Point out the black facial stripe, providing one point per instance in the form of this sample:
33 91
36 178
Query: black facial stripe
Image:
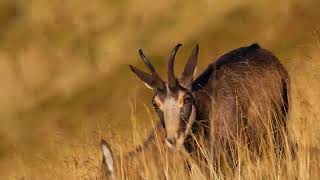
184 117
185 112
160 115
158 111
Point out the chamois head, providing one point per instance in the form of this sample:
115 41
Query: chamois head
173 101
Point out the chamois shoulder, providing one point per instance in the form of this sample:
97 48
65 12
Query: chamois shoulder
253 54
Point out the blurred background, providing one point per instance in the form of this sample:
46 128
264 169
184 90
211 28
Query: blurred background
64 75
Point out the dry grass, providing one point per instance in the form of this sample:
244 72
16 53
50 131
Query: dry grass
64 79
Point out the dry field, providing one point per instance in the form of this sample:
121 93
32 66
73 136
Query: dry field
65 81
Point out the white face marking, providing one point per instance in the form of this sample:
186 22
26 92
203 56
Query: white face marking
171 109
181 138
171 113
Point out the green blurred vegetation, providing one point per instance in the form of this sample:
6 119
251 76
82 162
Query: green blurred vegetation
63 64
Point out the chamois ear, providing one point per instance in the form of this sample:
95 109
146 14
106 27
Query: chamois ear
186 78
107 158
149 80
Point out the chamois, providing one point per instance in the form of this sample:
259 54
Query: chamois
241 97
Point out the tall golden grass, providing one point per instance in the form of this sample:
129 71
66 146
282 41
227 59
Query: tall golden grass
83 158
65 82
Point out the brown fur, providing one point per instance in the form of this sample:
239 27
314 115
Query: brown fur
240 98
244 97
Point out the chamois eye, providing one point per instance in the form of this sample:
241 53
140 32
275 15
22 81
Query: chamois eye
155 105
187 100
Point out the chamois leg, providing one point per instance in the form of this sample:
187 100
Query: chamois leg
225 126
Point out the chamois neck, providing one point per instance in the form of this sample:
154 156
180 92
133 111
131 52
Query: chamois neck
203 104
201 125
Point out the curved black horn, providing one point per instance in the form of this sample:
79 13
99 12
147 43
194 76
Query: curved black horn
146 61
186 78
171 77
155 76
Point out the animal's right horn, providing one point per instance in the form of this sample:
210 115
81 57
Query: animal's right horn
147 62
155 76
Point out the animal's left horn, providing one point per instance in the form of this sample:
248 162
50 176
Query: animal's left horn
171 77
186 78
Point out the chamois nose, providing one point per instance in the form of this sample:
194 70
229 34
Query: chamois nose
171 141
